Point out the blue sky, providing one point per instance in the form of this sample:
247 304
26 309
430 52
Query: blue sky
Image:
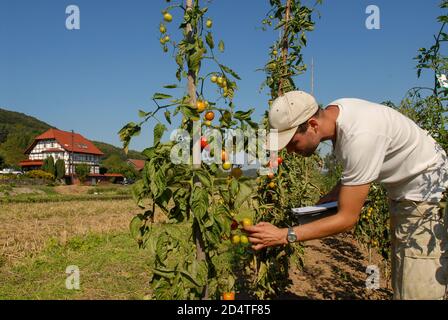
94 80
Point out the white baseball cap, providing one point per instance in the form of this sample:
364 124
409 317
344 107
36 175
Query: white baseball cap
286 114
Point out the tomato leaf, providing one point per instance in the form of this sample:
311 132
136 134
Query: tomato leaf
127 132
168 116
241 115
234 188
209 40
262 272
221 46
161 96
203 177
243 195
135 226
230 71
199 202
163 200
159 129
142 113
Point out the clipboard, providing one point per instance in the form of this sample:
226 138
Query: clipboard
315 210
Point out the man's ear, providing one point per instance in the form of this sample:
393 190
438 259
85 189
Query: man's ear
313 124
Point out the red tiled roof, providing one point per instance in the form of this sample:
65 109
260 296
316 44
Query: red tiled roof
64 138
118 175
138 164
31 163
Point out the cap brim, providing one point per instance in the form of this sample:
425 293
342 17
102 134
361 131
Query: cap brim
279 140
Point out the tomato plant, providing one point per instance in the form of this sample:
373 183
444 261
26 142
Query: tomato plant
372 228
192 255
291 173
427 106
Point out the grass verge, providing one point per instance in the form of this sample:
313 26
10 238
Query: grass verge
103 261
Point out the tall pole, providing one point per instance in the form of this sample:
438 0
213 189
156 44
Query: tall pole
200 252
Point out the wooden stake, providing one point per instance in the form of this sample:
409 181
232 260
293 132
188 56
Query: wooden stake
285 43
200 252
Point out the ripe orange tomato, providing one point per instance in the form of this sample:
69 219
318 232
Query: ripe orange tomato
228 296
224 156
200 106
279 160
271 175
210 116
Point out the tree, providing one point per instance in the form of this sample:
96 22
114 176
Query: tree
114 164
60 169
2 161
48 165
82 171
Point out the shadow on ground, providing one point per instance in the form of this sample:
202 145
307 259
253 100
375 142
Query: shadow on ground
335 268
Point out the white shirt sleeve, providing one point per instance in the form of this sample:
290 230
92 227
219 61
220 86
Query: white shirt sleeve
363 157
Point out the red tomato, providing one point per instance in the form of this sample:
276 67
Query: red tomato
204 142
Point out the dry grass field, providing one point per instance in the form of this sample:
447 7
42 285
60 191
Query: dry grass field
39 240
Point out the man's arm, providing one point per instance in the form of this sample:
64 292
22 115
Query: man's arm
333 195
351 200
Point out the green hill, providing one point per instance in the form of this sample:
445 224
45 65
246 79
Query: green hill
18 130
109 150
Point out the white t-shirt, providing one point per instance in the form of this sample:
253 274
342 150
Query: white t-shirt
376 143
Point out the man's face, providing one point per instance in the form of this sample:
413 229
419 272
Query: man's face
305 143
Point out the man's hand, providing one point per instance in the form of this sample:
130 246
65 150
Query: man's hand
265 235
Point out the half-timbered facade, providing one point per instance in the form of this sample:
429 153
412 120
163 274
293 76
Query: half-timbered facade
73 148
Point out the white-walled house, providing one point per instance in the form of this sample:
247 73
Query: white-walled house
73 148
